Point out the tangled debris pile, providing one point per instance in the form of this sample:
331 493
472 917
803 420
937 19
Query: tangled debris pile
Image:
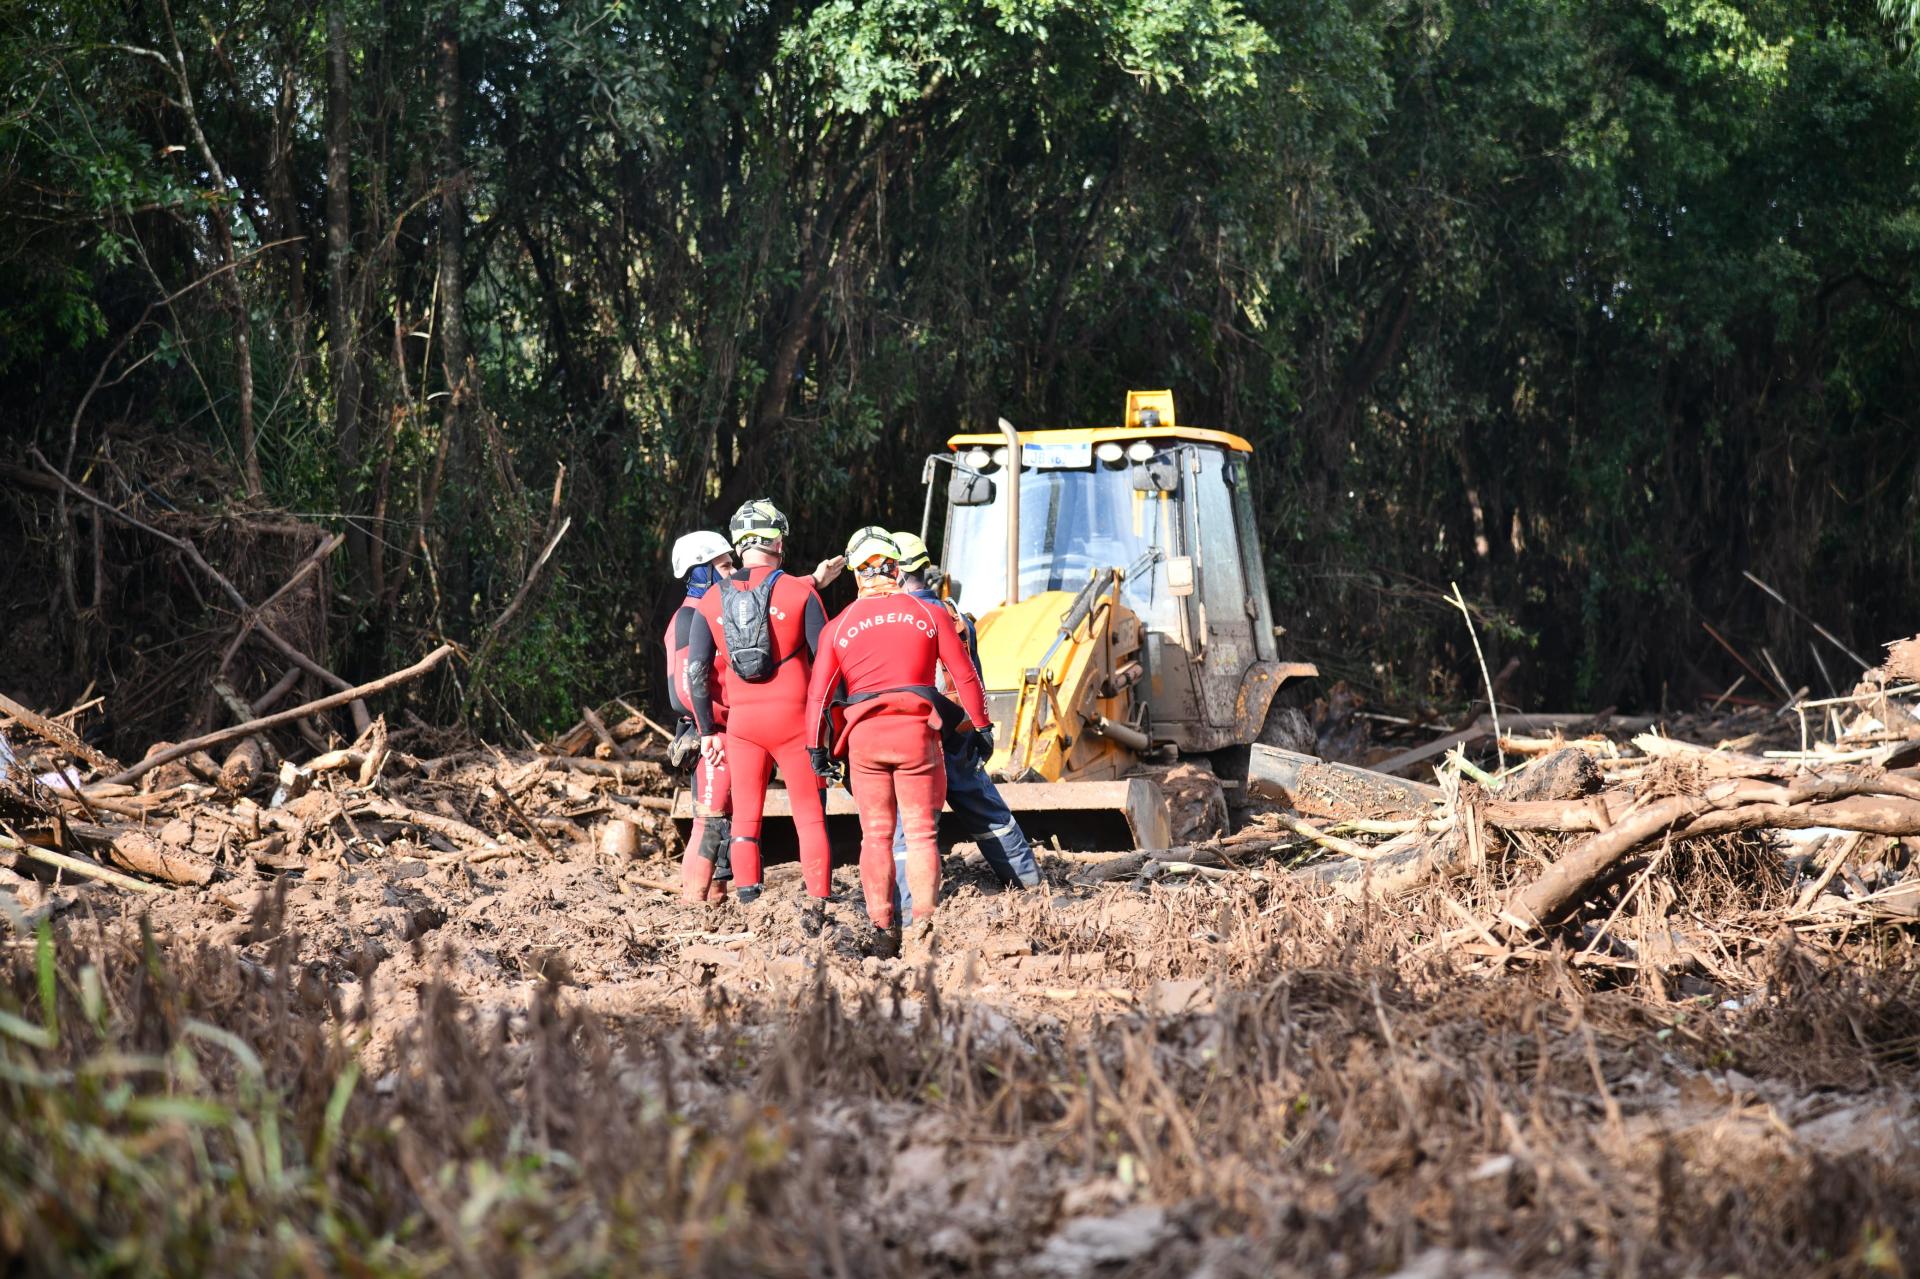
180 818
1577 827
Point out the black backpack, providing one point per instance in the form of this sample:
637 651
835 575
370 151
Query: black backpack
746 624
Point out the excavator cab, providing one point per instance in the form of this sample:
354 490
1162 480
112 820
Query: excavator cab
1116 578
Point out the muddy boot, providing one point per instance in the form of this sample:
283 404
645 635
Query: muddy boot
813 916
884 943
917 943
747 894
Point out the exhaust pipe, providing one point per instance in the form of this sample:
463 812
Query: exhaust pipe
1013 511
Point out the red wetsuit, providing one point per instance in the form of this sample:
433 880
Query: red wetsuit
881 646
765 725
711 783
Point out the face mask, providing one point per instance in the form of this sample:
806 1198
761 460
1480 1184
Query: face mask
700 579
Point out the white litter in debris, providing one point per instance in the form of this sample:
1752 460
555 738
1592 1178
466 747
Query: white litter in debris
1807 836
6 757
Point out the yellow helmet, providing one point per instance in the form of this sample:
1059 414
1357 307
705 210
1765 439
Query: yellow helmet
757 521
913 552
871 543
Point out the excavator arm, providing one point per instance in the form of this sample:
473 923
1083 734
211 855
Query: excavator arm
1062 671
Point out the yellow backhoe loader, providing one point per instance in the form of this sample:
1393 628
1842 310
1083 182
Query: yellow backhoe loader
1116 577
1121 598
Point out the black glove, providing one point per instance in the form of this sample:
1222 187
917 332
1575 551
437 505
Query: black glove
822 760
684 749
983 744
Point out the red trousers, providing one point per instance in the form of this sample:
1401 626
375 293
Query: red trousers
895 768
712 800
758 738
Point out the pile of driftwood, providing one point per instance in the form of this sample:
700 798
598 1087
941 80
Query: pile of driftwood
1595 813
203 812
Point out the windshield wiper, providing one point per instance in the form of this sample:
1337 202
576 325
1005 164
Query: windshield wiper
1148 558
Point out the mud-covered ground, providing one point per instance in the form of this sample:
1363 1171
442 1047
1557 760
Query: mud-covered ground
1233 1075
486 1050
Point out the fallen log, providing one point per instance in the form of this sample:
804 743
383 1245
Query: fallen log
1390 869
637 723
78 866
281 687
1884 805
657 803
244 763
55 734
452 827
620 840
1321 788
288 716
519 814
1125 865
626 770
599 728
143 854
123 801
1332 843
1483 727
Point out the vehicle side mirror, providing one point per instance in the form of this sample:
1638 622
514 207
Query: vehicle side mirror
1159 474
968 488
1180 574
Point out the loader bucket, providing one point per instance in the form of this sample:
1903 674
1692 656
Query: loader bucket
777 839
1125 814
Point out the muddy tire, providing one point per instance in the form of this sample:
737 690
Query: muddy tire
1288 728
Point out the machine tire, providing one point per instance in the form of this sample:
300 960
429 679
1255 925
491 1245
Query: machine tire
1288 728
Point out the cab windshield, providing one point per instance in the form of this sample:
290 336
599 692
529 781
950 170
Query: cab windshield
1072 522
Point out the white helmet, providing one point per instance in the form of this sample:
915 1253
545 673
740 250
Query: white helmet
695 549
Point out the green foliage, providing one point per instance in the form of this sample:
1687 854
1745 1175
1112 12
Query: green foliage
542 674
1586 306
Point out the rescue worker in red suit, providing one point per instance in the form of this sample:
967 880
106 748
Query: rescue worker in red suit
764 722
884 648
701 560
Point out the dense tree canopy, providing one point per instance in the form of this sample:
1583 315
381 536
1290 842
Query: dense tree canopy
1586 305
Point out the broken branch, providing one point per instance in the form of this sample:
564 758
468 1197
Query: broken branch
288 716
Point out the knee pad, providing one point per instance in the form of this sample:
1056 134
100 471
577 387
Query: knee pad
714 835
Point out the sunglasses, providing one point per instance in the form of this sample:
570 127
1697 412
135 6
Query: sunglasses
879 568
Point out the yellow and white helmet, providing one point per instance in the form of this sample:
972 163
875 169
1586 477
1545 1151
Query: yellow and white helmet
869 544
756 522
913 552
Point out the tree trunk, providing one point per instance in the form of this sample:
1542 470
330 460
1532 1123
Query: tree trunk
452 312
341 356
223 239
285 206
